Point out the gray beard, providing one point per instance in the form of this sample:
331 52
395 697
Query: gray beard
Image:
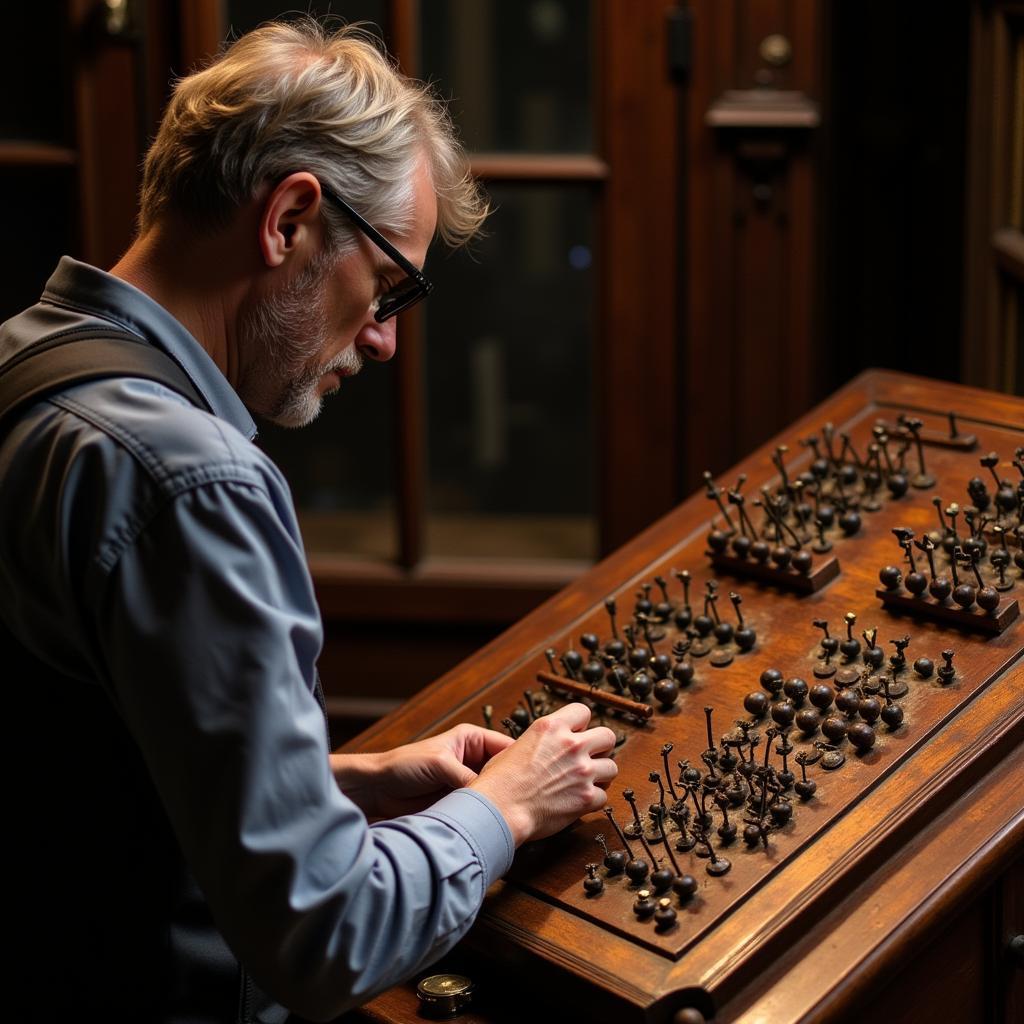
282 335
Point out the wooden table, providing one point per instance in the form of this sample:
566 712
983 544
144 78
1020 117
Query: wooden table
894 891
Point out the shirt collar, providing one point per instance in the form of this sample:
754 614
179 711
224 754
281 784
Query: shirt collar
89 290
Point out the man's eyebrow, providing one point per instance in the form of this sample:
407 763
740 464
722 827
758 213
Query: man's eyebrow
385 262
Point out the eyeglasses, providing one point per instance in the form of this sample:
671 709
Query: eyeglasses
405 294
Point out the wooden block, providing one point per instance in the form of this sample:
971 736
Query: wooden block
977 621
821 573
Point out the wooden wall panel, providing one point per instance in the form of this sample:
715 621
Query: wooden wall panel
751 361
106 75
989 355
1008 973
636 353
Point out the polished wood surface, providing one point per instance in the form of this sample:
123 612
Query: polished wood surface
895 842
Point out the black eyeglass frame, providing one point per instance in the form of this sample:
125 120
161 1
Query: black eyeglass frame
405 294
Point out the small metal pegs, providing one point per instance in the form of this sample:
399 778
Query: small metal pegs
593 884
946 672
665 915
805 788
614 860
824 669
644 907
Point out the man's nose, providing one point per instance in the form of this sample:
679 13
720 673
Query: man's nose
377 341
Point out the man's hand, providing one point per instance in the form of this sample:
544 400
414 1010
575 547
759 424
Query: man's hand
556 771
412 777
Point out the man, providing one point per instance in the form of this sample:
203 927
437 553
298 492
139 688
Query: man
159 615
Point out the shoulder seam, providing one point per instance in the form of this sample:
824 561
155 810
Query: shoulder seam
107 316
150 460
133 444
110 552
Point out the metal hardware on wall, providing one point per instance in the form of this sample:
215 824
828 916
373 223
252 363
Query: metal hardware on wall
776 50
763 127
680 44
764 124
751 223
1015 949
116 16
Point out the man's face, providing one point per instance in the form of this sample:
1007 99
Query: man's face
301 340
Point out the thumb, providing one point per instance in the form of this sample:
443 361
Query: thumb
452 772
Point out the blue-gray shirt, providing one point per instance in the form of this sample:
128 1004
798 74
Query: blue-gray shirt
152 548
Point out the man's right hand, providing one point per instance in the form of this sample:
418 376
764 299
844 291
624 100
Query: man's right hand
556 771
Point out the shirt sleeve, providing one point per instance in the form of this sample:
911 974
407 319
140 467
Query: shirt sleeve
210 633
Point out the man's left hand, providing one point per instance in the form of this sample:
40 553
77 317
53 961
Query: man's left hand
410 778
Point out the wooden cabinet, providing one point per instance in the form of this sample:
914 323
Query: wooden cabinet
894 890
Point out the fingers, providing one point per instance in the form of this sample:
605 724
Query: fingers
462 775
598 800
475 746
602 772
576 716
605 770
599 741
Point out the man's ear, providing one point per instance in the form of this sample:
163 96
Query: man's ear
290 219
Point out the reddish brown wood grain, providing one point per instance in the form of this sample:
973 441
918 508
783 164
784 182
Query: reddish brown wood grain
1009 912
636 362
751 358
939 794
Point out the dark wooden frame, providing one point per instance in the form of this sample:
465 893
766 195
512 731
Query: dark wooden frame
994 255
637 174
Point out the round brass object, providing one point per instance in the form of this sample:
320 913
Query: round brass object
898 688
443 996
776 50
832 759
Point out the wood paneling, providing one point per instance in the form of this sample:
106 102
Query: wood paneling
636 355
106 72
996 140
542 167
751 359
1007 975
36 154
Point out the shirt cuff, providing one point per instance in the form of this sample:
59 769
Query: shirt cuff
474 817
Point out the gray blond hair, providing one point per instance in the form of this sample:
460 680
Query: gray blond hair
296 96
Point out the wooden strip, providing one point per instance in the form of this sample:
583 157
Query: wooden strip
538 167
404 34
36 154
637 363
1008 245
746 568
762 108
409 409
364 708
202 30
438 591
108 147
976 621
410 432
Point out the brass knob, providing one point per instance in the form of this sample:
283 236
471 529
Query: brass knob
689 1015
776 50
443 996
116 16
